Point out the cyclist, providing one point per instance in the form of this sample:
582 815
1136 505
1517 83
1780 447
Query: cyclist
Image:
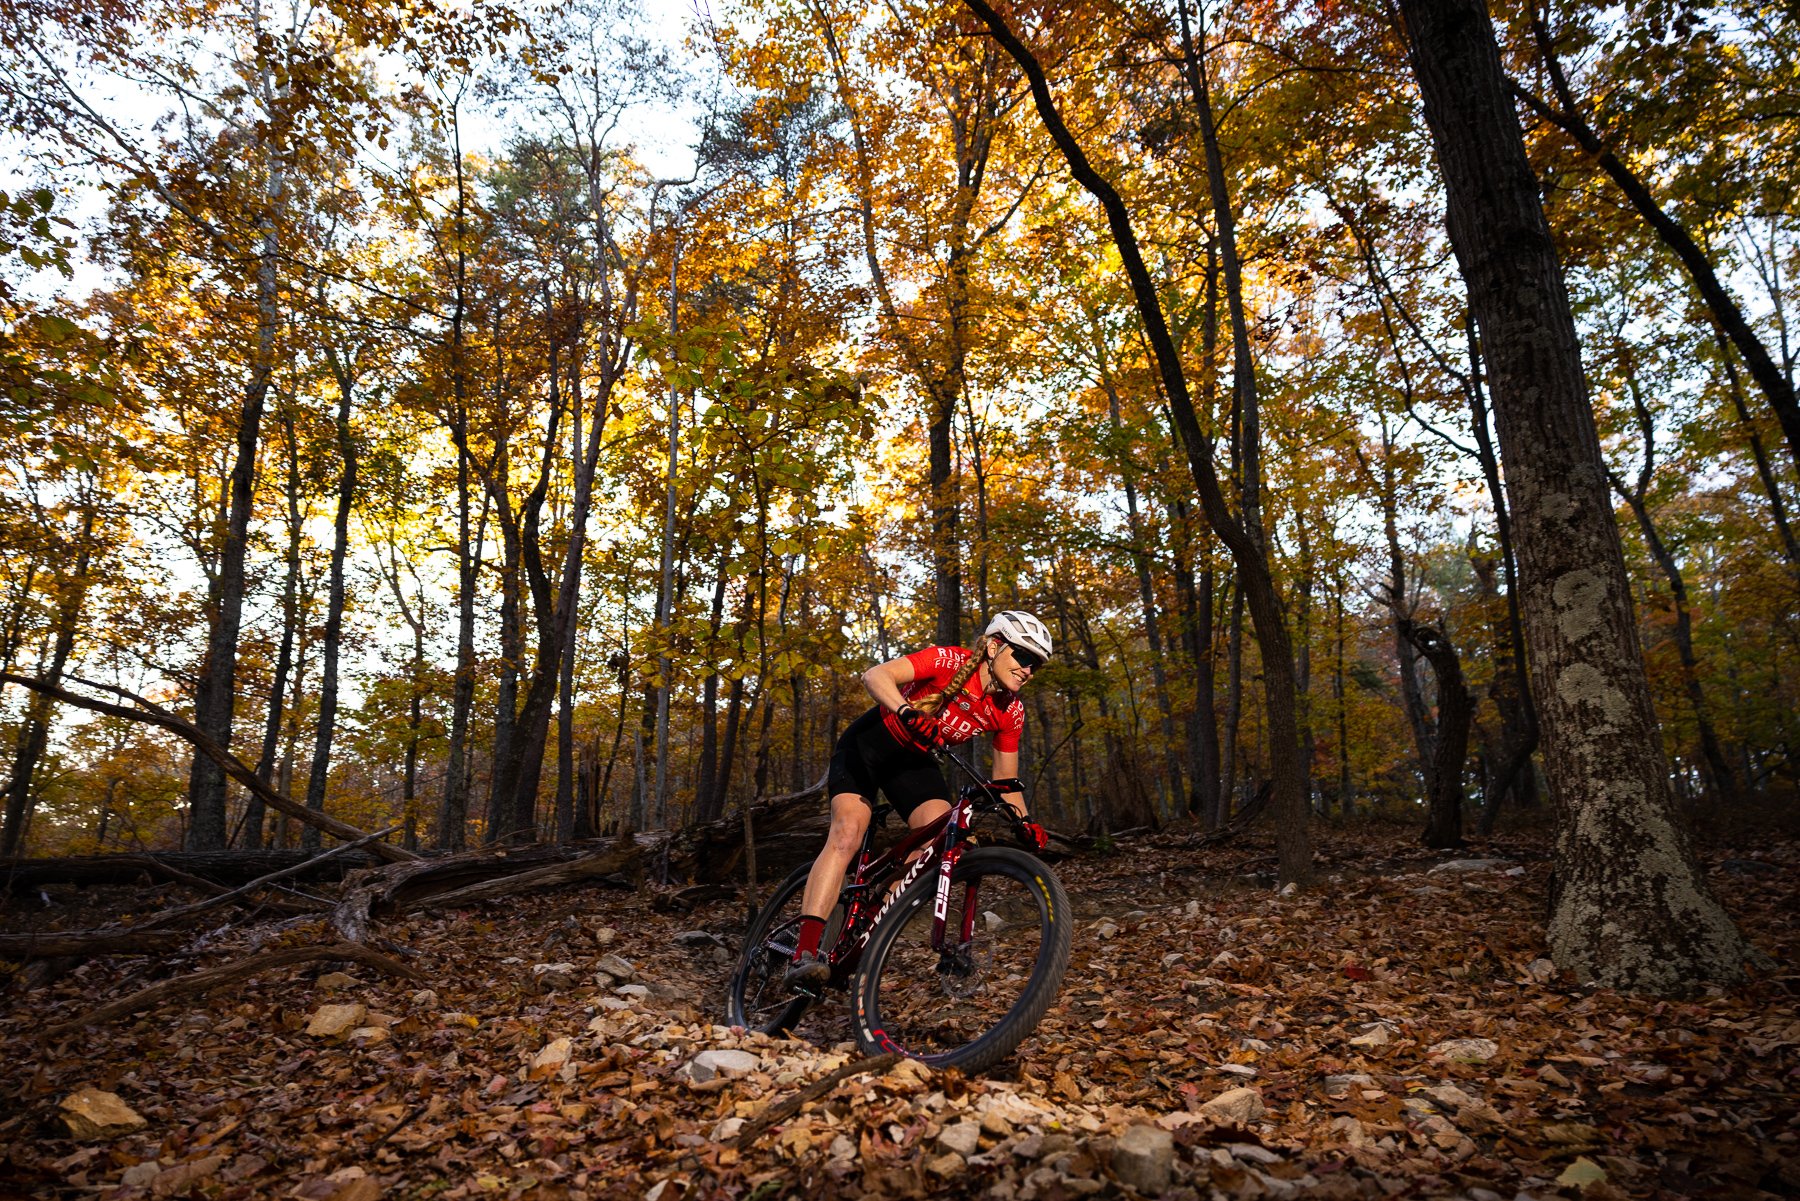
937 697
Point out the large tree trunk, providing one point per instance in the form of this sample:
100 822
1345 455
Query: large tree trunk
1511 688
1631 908
334 604
215 699
453 811
255 814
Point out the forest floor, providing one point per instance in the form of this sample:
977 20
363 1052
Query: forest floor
1191 977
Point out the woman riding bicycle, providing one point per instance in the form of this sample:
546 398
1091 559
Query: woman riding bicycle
937 697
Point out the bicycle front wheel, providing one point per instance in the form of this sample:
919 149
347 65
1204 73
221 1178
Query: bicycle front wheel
970 1003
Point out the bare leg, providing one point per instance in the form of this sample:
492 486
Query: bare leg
849 819
926 813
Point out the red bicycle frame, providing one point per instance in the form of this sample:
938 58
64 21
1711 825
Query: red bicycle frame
946 838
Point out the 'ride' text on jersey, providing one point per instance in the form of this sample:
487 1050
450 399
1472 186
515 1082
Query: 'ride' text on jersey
966 715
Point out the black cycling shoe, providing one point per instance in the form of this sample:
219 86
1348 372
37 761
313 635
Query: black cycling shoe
808 971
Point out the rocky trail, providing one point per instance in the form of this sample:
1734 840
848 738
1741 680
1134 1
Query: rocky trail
1394 1031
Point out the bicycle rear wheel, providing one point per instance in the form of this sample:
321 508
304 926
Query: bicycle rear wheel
971 1004
754 997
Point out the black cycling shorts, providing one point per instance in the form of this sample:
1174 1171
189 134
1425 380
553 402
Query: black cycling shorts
869 758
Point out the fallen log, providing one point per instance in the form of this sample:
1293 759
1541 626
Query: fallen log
89 942
401 887
599 864
229 973
789 830
205 871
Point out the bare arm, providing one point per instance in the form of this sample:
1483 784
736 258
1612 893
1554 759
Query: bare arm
1006 767
883 682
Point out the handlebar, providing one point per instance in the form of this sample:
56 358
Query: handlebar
986 793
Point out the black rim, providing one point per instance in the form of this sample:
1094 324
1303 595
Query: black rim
949 1006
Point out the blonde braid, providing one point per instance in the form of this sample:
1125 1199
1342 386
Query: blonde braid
931 702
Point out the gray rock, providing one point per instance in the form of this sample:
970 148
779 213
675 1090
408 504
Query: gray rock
139 1175
1251 1153
1240 1105
961 1137
693 939
1466 1050
552 977
619 969
1144 1158
1337 1086
725 1062
1468 865
1450 1096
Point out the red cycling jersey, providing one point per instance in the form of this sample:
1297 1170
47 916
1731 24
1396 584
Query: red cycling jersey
962 717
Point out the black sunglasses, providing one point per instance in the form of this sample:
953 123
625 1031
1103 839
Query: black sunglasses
1028 659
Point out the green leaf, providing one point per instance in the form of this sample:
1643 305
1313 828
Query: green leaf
57 330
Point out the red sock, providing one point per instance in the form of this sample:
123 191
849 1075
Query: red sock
812 929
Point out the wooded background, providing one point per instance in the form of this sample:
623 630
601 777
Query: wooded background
368 402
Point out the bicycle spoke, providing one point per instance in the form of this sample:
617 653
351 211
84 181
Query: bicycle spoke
933 1002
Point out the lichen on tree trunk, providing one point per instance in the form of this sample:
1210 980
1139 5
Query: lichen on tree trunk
1631 908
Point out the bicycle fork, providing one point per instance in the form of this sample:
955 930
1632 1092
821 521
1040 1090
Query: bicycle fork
954 957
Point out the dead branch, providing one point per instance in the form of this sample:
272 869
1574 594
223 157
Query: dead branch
205 981
780 1112
186 911
232 766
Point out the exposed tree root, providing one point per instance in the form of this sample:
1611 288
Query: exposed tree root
781 1111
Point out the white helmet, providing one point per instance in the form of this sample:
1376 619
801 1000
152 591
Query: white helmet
1020 629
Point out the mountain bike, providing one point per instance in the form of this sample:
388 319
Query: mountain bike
950 949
